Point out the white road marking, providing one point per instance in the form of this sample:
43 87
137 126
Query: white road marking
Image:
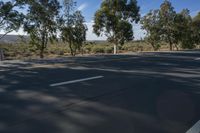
75 81
197 59
195 128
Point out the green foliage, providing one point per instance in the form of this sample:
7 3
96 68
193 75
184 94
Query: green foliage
164 27
166 16
151 24
114 18
41 22
96 48
10 19
196 29
73 29
136 46
182 29
176 29
59 49
15 51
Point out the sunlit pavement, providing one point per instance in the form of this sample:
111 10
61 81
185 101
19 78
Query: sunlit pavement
135 93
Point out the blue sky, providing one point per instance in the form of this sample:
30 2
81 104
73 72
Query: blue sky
88 8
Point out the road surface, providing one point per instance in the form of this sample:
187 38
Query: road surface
140 93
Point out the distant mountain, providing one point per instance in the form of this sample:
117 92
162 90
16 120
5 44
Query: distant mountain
97 41
12 39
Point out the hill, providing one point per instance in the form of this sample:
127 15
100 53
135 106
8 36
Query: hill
12 39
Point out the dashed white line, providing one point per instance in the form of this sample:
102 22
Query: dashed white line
75 81
197 59
195 128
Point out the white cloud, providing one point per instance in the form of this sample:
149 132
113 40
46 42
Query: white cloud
194 13
82 6
90 34
138 31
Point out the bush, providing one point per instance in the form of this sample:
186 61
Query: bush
16 51
98 49
87 48
24 50
58 49
108 49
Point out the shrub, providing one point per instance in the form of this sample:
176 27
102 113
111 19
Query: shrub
108 49
98 49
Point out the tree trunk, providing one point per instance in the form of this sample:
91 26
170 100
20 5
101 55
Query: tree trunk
154 48
71 49
42 53
1 55
44 45
170 44
176 47
171 47
115 48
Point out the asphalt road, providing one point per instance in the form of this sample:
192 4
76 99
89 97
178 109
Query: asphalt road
140 93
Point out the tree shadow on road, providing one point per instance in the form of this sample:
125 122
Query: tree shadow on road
145 95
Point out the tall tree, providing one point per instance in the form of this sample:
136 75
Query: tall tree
41 22
10 19
114 19
182 29
167 15
151 24
73 29
196 29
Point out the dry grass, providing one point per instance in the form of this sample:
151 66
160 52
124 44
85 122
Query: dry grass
25 51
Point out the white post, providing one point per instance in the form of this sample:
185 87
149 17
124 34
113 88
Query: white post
115 49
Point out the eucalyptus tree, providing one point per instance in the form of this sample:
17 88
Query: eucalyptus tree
151 24
167 15
10 18
114 20
196 29
41 22
72 26
182 29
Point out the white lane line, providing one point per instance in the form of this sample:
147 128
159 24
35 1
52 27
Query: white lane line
197 59
195 128
75 81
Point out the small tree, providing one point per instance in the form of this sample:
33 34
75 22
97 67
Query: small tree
41 22
73 29
167 15
151 24
10 19
114 20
